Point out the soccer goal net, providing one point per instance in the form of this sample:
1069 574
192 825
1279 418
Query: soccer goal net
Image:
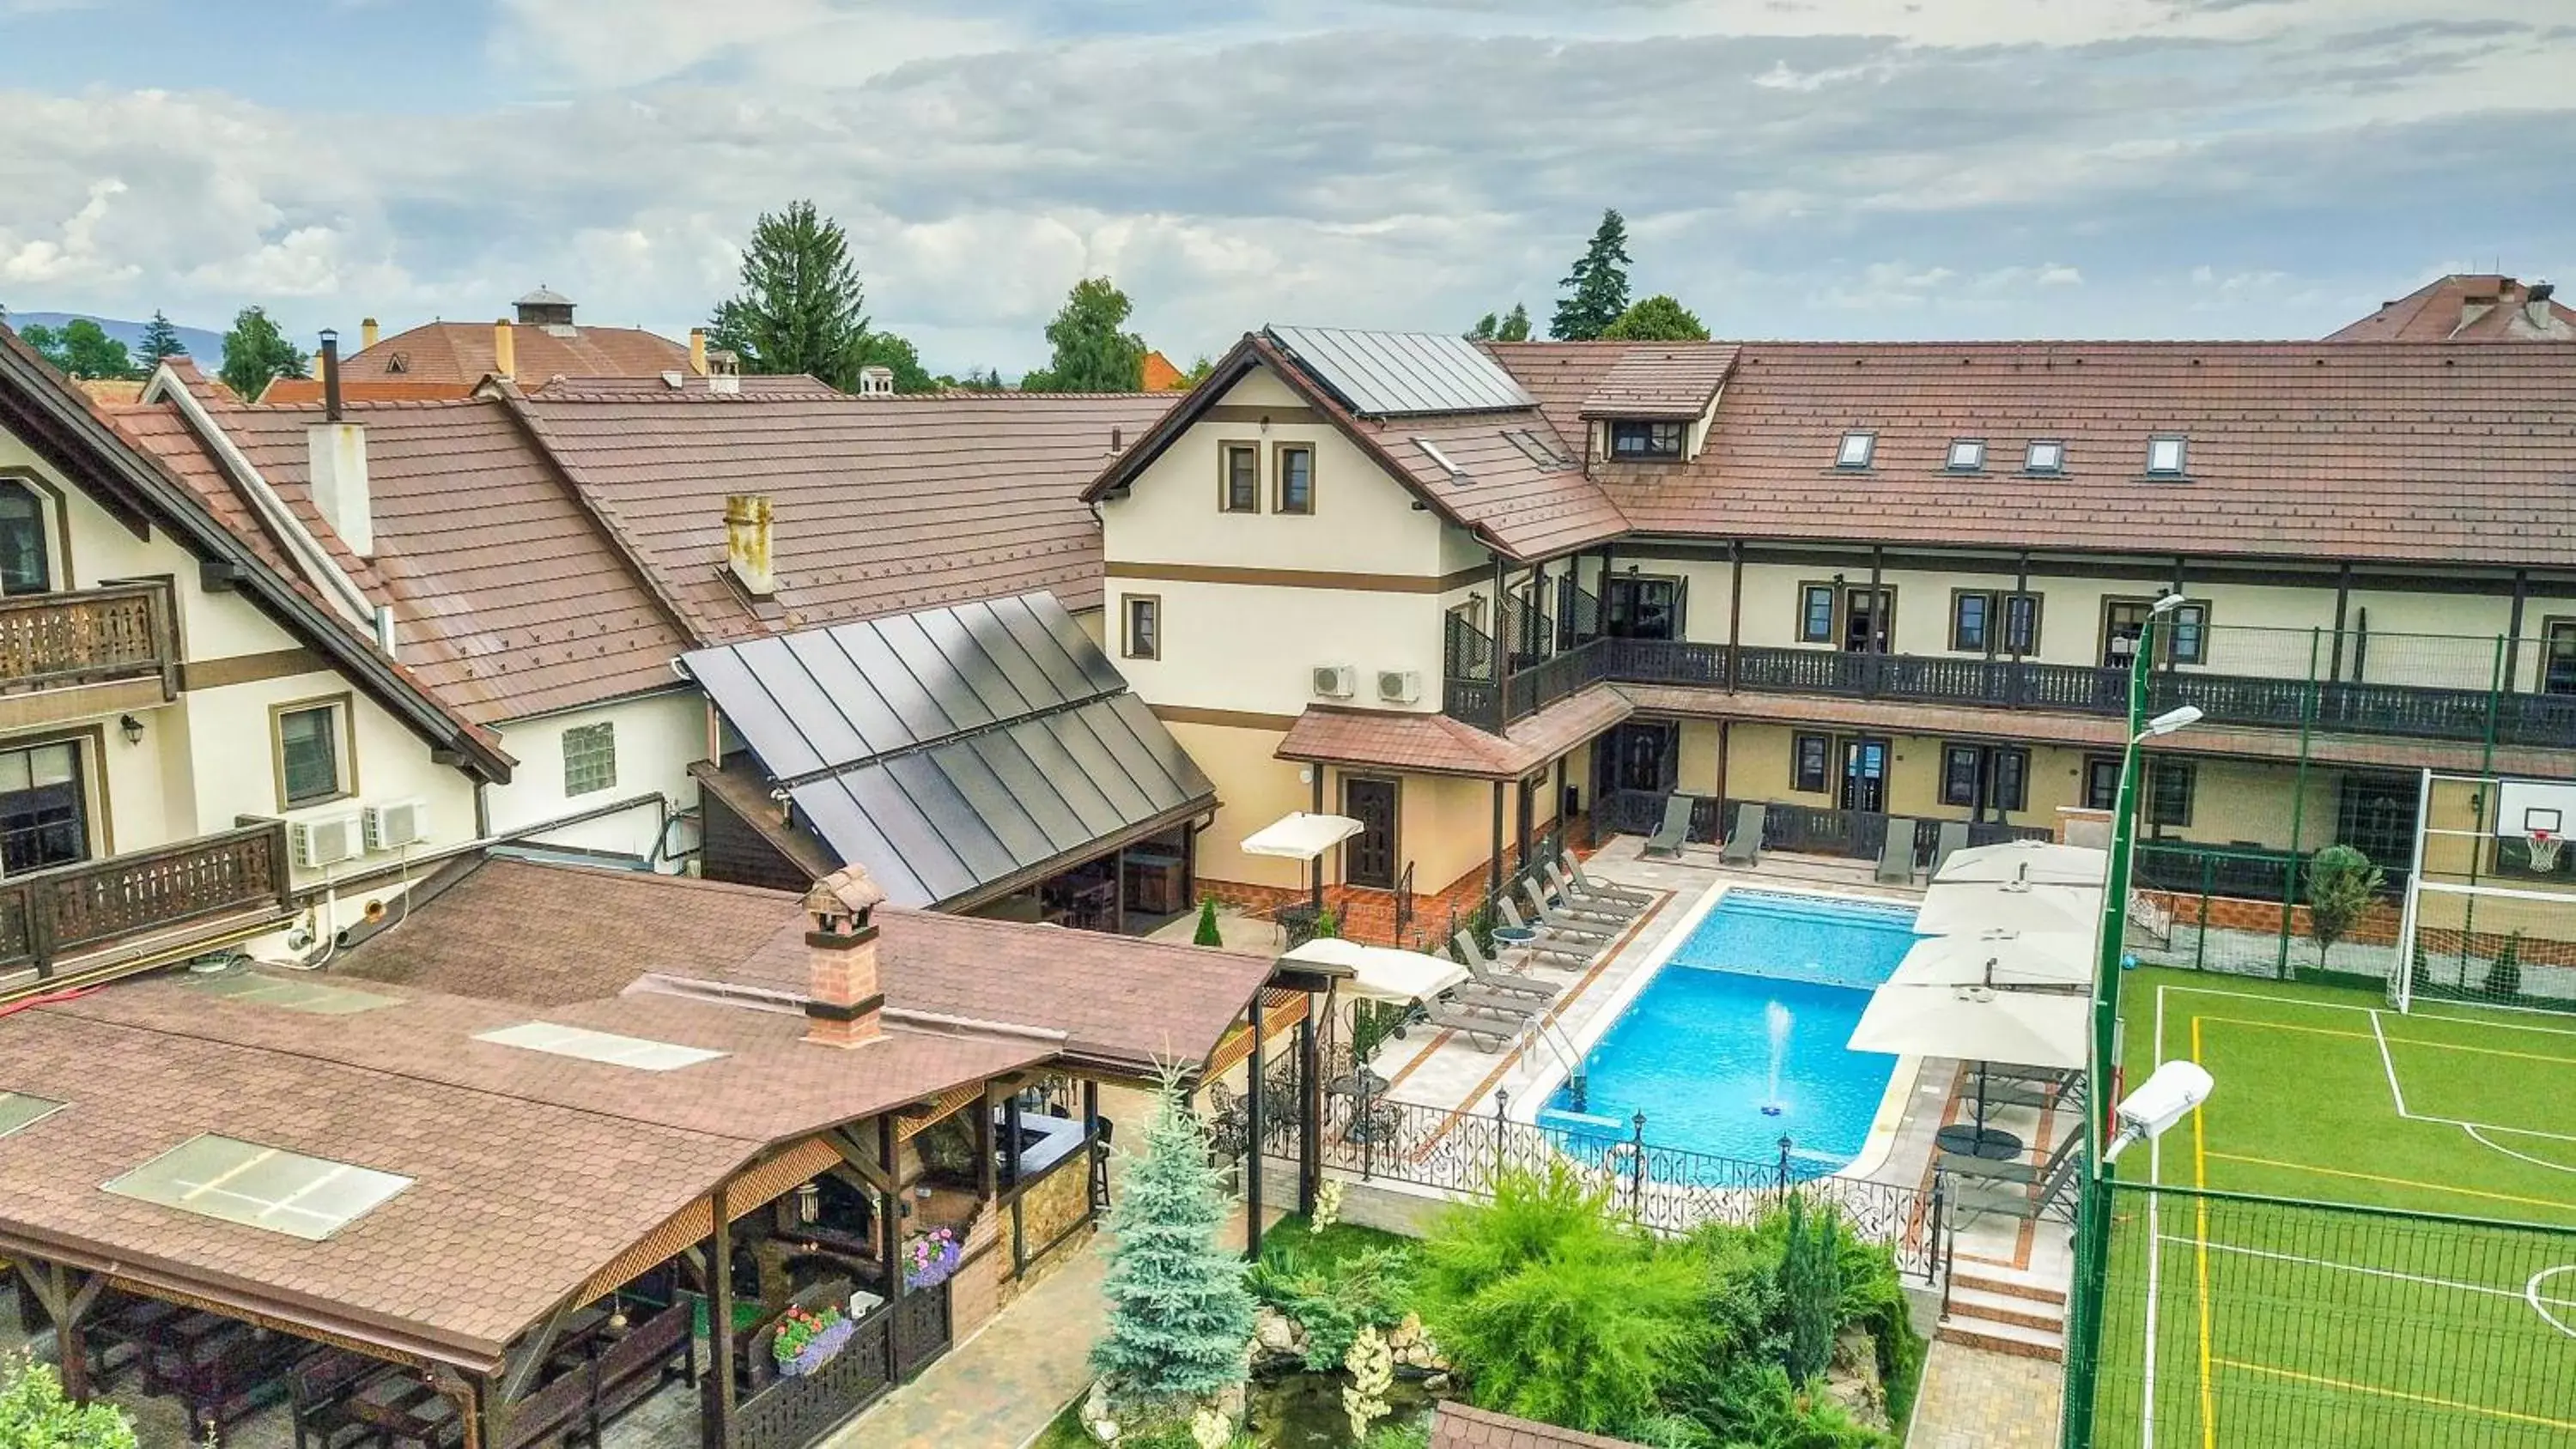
2489 915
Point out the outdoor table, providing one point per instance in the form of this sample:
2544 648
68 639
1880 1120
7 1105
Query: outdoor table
1351 1084
1969 1140
1515 935
402 1409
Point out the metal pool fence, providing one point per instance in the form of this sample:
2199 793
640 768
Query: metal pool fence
1668 1190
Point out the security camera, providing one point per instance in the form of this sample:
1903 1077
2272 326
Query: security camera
2159 1102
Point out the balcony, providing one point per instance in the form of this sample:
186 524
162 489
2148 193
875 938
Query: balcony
93 636
2323 706
1800 829
54 916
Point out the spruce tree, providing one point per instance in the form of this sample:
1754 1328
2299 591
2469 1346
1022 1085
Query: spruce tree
1811 1288
1596 291
1179 1314
1207 933
798 310
160 341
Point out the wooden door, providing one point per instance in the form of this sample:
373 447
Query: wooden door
1864 775
1369 858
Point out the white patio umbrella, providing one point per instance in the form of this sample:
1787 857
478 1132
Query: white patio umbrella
2027 862
1302 836
1975 1023
1969 909
2005 959
1381 972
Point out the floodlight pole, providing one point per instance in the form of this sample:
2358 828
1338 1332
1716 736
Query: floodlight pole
2093 1216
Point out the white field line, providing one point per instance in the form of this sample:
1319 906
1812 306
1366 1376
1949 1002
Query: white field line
2472 1129
2345 1006
2528 1293
2390 1063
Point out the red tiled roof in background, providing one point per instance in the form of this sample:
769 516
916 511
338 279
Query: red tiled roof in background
2483 307
1661 380
1162 376
1437 744
453 352
1462 1426
295 391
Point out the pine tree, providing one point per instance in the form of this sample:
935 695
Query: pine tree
1596 291
798 310
1516 325
1179 1314
254 352
160 341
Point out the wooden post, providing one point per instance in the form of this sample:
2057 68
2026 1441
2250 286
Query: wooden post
1118 892
1734 609
2513 630
1725 733
1011 1177
1253 1133
1316 866
715 1399
2343 602
988 1177
890 1216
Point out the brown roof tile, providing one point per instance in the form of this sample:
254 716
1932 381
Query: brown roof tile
1463 1426
454 352
292 391
2480 308
1661 380
1436 744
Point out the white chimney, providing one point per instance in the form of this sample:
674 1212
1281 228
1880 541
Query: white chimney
335 451
747 542
876 380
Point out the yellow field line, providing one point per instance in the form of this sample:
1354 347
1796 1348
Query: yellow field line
2388 1181
2393 1041
2413 1398
2200 1211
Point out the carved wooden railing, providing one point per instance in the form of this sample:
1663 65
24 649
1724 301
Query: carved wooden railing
72 909
48 641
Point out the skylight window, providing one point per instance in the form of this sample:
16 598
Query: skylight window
2165 455
1967 455
1432 451
2046 455
18 1110
598 1046
1856 450
289 995
260 1187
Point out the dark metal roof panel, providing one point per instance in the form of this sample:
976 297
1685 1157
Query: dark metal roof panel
1394 374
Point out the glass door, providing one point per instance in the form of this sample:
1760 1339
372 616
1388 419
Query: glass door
1864 785
1867 615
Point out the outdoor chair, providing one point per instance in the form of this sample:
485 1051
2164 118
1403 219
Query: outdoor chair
2019 1171
1562 921
1744 847
1953 838
1574 871
1485 1033
1574 950
1493 1003
1488 975
1668 837
1566 903
1608 907
1896 852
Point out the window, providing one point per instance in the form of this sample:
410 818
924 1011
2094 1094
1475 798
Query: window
2182 633
1985 622
2558 657
1807 756
1644 440
19 1111
309 754
1959 772
1856 450
2102 782
1815 613
2165 455
1296 478
2186 634
289 994
2169 787
24 568
1144 615
1971 614
2010 788
1981 777
2021 624
2045 455
590 758
260 1187
1967 455
1239 482
44 811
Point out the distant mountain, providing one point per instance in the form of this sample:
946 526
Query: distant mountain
205 348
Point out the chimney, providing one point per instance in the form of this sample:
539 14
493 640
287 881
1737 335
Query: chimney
844 1000
505 350
724 371
876 380
698 351
335 453
2535 306
747 536
366 333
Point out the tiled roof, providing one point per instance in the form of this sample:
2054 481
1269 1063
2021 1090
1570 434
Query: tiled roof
1661 380
1563 376
462 352
882 504
1461 1426
292 391
783 384
1162 376
2480 308
1436 744
2402 453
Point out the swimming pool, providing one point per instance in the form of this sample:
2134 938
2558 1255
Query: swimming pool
1693 1050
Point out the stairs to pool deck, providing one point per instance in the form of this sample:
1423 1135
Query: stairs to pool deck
2005 1310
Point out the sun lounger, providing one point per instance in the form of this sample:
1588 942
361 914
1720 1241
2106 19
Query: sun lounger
2019 1170
1896 852
1668 837
1589 914
1564 921
1575 950
1608 907
1470 997
1606 891
1489 975
1953 838
1485 1032
1744 847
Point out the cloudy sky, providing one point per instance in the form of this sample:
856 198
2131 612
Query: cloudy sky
1812 168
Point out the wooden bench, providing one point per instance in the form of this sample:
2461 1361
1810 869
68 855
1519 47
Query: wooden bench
631 1368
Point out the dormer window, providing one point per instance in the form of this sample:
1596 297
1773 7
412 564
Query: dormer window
2165 455
1646 440
1967 455
2046 455
1856 450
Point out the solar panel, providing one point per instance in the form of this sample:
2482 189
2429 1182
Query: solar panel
291 995
19 1110
598 1046
261 1187
1394 374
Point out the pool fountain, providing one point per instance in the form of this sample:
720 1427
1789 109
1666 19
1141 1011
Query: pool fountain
1777 1019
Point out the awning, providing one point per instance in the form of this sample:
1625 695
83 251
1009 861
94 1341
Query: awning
1380 972
956 753
1974 1023
1301 836
1998 958
1967 910
2027 862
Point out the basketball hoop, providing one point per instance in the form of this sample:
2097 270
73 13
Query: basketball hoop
2541 850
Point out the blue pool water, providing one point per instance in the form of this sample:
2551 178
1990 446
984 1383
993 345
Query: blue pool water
1693 1050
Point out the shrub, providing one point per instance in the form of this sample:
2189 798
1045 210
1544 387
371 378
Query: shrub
2504 978
2341 885
1811 1289
1207 934
1333 1297
34 1413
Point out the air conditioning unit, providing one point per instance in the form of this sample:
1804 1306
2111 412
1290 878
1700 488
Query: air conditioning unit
324 840
1399 686
396 823
1335 681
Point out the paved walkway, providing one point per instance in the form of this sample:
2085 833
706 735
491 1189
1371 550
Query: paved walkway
1003 1386
1976 1399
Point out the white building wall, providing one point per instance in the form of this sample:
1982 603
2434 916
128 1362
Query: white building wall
657 735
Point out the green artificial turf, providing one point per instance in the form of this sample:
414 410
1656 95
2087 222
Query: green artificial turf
2279 1325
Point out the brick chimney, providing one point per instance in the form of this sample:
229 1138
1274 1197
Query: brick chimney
505 350
843 999
747 538
698 351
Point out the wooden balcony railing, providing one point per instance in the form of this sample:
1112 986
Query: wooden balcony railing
1802 829
50 641
2325 706
71 910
